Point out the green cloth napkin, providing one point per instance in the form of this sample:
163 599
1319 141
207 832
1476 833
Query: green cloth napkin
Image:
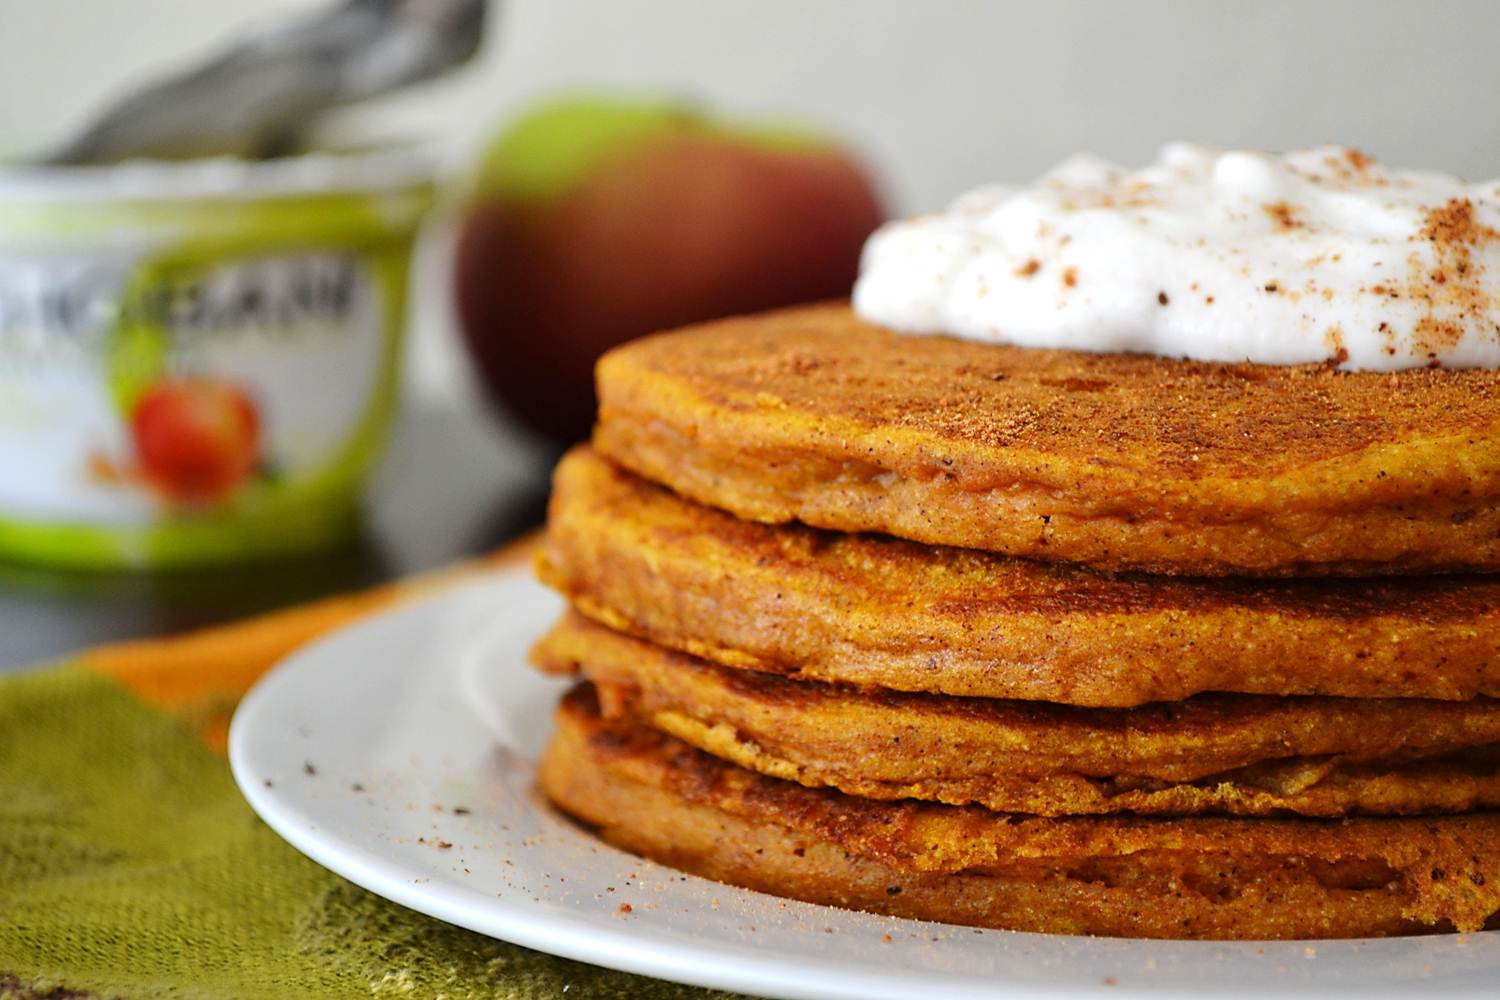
131 867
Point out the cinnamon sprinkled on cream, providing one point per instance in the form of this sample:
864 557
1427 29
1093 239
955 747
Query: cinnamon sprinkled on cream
1323 255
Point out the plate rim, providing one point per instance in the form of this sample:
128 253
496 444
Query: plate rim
717 965
607 947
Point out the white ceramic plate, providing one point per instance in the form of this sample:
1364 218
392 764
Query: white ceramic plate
399 753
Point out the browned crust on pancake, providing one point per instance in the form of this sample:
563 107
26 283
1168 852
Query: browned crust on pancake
1116 461
1188 878
1235 754
878 611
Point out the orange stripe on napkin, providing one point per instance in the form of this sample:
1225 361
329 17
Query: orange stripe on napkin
200 676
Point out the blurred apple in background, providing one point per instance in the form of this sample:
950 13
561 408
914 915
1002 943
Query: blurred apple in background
598 220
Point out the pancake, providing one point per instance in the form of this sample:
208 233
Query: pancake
1115 461
876 611
1234 754
1204 877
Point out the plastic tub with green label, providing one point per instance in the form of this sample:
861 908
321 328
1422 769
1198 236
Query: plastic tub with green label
198 359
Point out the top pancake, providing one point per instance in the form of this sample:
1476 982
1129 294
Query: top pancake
1116 461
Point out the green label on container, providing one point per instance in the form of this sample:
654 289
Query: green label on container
204 397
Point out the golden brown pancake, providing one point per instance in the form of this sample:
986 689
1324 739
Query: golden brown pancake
1202 877
1236 754
877 611
1116 461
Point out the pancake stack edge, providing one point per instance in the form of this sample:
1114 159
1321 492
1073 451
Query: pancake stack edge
1287 728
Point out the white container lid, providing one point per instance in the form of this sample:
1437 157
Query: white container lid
220 178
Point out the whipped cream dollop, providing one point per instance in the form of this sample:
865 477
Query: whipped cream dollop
1322 255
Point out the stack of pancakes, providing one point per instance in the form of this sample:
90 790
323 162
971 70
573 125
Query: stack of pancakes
1036 639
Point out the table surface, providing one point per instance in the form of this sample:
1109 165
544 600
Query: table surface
453 482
